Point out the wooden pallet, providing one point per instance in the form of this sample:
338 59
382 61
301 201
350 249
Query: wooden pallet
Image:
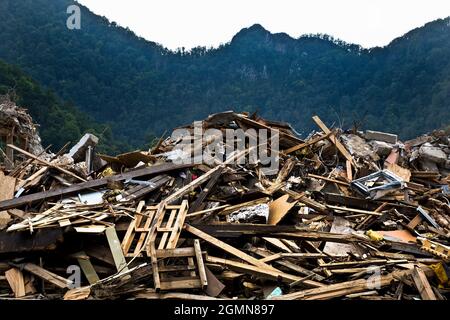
167 232
180 268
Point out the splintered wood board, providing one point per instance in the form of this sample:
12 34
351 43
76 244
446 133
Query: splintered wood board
279 208
46 275
422 284
403 173
87 267
7 186
16 281
334 140
116 249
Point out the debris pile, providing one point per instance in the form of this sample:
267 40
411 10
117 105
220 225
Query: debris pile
17 125
342 215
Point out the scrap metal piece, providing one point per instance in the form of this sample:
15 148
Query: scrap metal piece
365 184
427 217
435 248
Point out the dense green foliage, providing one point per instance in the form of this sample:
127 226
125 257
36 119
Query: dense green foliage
143 89
59 123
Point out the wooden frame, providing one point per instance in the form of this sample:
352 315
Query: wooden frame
168 228
181 268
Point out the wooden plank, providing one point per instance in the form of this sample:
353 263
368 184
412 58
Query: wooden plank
165 231
334 140
306 144
177 268
206 191
18 170
251 269
373 213
191 264
78 293
46 275
175 253
40 219
32 180
292 266
16 281
200 264
178 225
181 284
28 199
64 223
314 247
44 162
292 245
149 294
116 249
285 170
154 261
342 289
226 247
422 284
308 201
145 232
345 184
277 243
283 232
348 166
87 267
415 222
295 255
201 212
130 234
337 265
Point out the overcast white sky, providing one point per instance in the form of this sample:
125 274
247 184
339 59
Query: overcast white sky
190 23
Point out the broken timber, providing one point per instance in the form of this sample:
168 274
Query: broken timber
28 199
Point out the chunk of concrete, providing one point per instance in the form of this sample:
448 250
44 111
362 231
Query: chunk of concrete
447 164
427 165
383 149
433 154
78 151
357 146
381 136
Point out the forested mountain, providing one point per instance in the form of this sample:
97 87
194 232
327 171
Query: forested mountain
58 122
142 89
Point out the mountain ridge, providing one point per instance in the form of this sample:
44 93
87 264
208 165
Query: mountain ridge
141 88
